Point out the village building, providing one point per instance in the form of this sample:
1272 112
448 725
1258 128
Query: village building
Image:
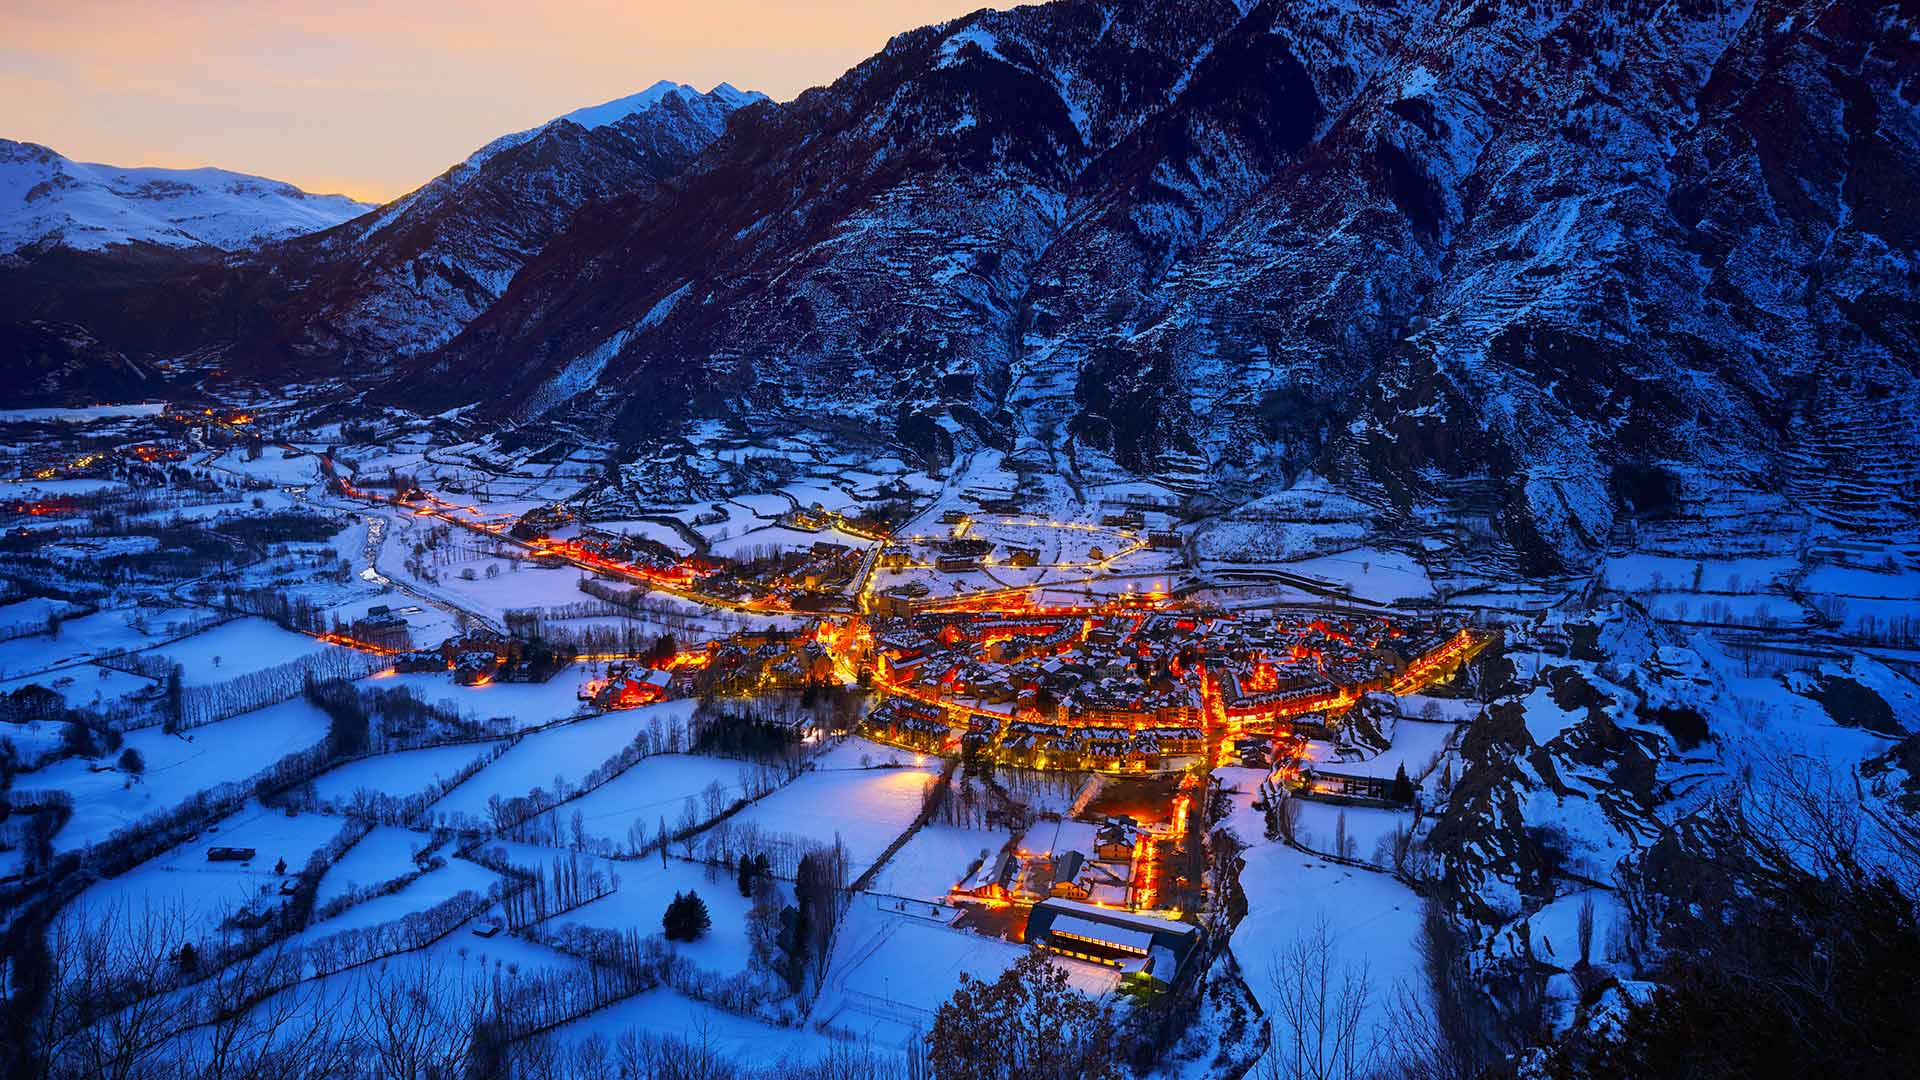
1137 944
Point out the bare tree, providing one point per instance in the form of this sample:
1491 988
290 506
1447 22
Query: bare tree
1319 1008
1585 931
418 1021
106 1010
254 1033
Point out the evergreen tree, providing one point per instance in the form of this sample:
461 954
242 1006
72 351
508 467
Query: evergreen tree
743 876
686 917
1402 792
176 701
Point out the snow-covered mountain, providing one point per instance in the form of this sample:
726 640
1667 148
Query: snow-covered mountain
1470 262
46 198
1499 278
386 284
407 278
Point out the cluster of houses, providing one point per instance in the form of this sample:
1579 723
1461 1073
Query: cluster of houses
749 663
1072 860
1059 746
814 578
630 556
1124 689
480 657
629 686
1119 669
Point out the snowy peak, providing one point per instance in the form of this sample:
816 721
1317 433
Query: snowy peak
720 101
725 94
47 198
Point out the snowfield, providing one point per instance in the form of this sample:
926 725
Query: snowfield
177 767
657 788
867 809
234 649
385 854
400 774
937 858
183 888
893 968
565 754
1372 920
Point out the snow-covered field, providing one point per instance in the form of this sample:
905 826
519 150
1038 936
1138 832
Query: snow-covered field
938 857
562 754
400 774
645 889
120 630
1417 745
233 649
182 888
525 704
384 854
655 789
1367 827
667 1013
177 766
1372 920
431 888
892 969
867 809
85 685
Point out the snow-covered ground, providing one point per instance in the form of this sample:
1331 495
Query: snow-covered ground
431 888
1366 827
233 649
566 753
85 685
183 888
525 704
177 767
646 887
670 1014
1372 920
102 633
400 774
656 788
937 858
867 809
384 854
892 969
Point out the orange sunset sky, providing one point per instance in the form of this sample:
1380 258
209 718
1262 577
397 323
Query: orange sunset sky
373 99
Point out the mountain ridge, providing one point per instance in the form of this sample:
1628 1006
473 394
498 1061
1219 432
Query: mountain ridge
49 199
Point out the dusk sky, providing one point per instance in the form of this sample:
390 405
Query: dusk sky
372 99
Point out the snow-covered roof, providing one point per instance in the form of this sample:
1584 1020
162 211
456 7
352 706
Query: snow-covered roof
1105 933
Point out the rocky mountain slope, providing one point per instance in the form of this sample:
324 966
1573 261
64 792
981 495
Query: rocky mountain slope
1477 261
47 199
411 275
53 364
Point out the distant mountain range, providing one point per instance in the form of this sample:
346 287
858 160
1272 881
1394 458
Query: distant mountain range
48 199
1491 274
358 291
